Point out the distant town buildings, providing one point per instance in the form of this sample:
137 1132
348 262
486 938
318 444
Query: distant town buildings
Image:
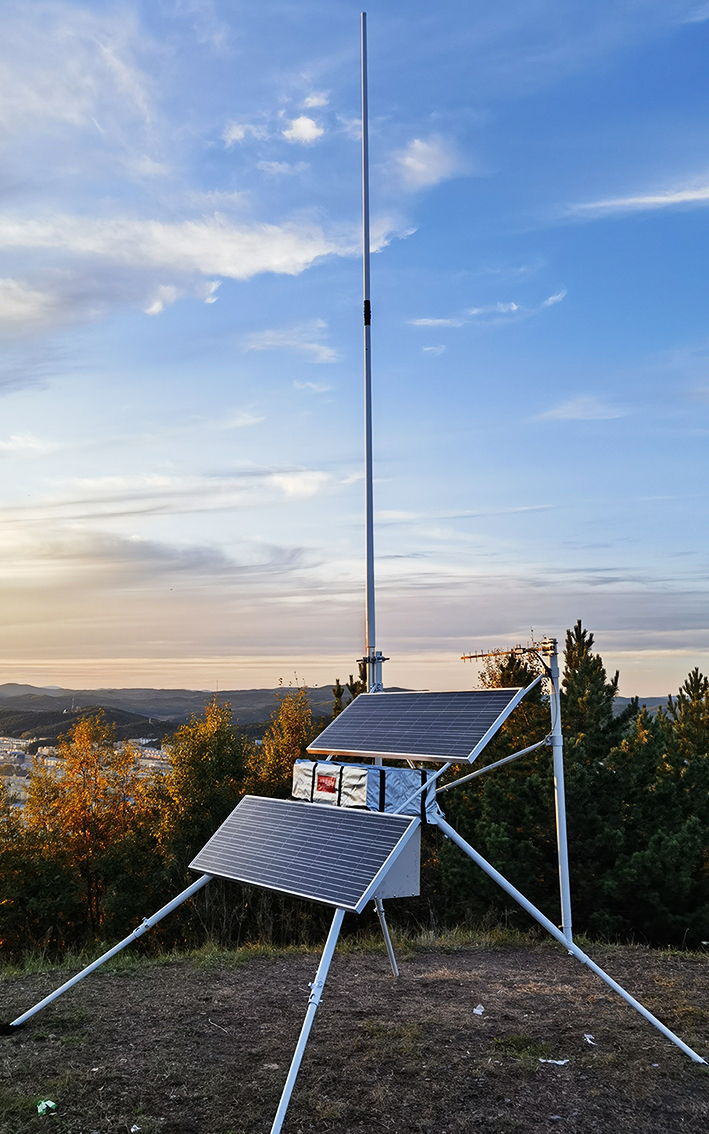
16 761
15 766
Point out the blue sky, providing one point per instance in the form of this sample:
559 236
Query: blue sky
180 337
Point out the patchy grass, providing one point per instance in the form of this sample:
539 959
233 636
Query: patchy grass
525 1048
406 945
201 1044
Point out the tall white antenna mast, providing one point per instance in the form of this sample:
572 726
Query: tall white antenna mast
372 657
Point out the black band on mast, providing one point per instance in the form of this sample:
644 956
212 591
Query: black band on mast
367 313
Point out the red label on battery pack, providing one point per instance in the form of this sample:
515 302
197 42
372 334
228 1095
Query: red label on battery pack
326 783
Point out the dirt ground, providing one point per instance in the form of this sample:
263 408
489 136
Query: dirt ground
188 1047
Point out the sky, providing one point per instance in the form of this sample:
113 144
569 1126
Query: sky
181 406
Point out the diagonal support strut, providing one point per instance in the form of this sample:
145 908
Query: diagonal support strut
315 995
144 926
572 948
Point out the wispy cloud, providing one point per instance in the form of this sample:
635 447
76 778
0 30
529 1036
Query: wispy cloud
496 309
691 195
352 127
164 296
302 483
25 445
557 298
102 262
238 132
426 162
491 312
95 499
240 420
206 26
72 66
304 130
586 407
511 270
112 558
26 364
213 245
434 350
312 387
282 168
317 98
698 16
437 322
305 339
76 97
21 305
90 264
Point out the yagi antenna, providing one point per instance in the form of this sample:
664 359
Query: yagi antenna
372 657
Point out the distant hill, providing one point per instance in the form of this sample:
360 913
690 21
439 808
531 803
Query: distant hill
47 725
650 703
48 712
51 710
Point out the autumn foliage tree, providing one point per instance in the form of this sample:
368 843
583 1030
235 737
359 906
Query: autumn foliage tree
204 782
40 899
291 730
205 779
88 805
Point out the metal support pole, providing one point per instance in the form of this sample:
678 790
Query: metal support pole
379 906
145 925
372 655
369 621
315 995
557 747
559 935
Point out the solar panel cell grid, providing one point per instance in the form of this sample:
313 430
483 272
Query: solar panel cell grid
443 726
308 850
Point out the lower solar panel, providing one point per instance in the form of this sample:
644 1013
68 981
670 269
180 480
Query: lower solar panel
331 855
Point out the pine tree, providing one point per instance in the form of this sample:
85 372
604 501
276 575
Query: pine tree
594 803
338 693
654 890
354 688
685 720
507 814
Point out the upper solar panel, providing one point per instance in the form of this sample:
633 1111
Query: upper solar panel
421 726
329 855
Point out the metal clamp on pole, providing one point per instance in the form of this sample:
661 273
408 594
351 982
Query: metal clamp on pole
316 987
373 661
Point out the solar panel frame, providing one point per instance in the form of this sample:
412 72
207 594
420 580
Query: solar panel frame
340 738
306 849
